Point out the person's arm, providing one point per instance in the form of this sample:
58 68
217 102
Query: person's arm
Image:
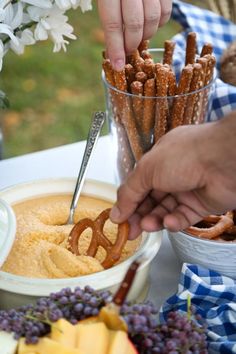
127 22
189 174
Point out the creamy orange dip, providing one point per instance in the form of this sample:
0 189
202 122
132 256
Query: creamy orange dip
40 248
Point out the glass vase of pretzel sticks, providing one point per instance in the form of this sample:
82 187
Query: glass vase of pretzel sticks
159 90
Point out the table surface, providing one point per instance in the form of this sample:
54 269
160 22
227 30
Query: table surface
64 161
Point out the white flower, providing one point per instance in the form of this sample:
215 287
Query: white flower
67 4
25 37
44 4
52 23
1 54
85 5
7 30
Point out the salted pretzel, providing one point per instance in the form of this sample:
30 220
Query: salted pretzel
113 250
217 226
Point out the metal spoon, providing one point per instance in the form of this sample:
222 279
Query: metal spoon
94 131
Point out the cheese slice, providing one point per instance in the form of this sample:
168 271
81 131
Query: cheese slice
7 343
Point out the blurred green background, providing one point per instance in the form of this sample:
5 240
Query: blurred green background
52 95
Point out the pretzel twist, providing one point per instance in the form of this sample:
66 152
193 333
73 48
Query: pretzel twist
220 223
113 250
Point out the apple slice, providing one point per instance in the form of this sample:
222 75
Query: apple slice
64 332
131 348
45 346
118 342
92 338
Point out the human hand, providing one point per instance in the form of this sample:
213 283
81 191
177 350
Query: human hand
189 174
127 22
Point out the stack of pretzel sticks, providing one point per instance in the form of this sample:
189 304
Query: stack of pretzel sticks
147 99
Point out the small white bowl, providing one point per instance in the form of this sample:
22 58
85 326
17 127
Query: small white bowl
216 255
17 290
7 229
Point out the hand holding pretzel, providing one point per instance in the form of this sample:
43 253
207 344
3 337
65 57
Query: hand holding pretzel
113 250
127 22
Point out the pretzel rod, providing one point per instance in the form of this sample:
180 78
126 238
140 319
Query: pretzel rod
221 224
137 102
208 78
161 113
144 45
191 99
198 102
139 64
171 83
169 47
148 112
179 102
131 59
129 74
206 49
145 54
127 117
140 76
148 68
190 48
125 158
109 74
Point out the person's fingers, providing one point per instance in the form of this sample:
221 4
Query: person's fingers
152 14
134 191
154 221
181 218
111 18
166 7
133 19
135 229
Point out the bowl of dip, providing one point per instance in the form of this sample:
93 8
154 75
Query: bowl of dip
39 262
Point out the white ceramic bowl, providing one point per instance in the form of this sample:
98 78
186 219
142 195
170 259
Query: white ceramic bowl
7 229
18 290
215 255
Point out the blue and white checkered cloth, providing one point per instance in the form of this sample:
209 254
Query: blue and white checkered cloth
215 29
213 297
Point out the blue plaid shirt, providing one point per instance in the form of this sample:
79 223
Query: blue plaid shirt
211 28
214 298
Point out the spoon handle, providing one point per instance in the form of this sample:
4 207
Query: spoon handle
95 128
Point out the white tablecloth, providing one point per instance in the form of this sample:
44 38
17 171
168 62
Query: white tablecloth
64 161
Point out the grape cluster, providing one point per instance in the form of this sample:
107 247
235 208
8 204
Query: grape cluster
179 334
34 321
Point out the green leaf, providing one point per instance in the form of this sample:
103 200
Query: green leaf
4 102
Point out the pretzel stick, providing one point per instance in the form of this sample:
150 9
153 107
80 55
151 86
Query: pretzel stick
131 59
169 47
199 98
161 114
148 112
109 74
207 49
140 76
148 68
171 83
137 102
190 48
191 99
138 64
125 158
129 74
208 78
127 115
143 45
145 54
179 102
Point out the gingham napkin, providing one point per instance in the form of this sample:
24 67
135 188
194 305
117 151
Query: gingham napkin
214 298
215 29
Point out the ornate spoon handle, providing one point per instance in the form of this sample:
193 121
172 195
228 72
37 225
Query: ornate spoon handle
95 129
